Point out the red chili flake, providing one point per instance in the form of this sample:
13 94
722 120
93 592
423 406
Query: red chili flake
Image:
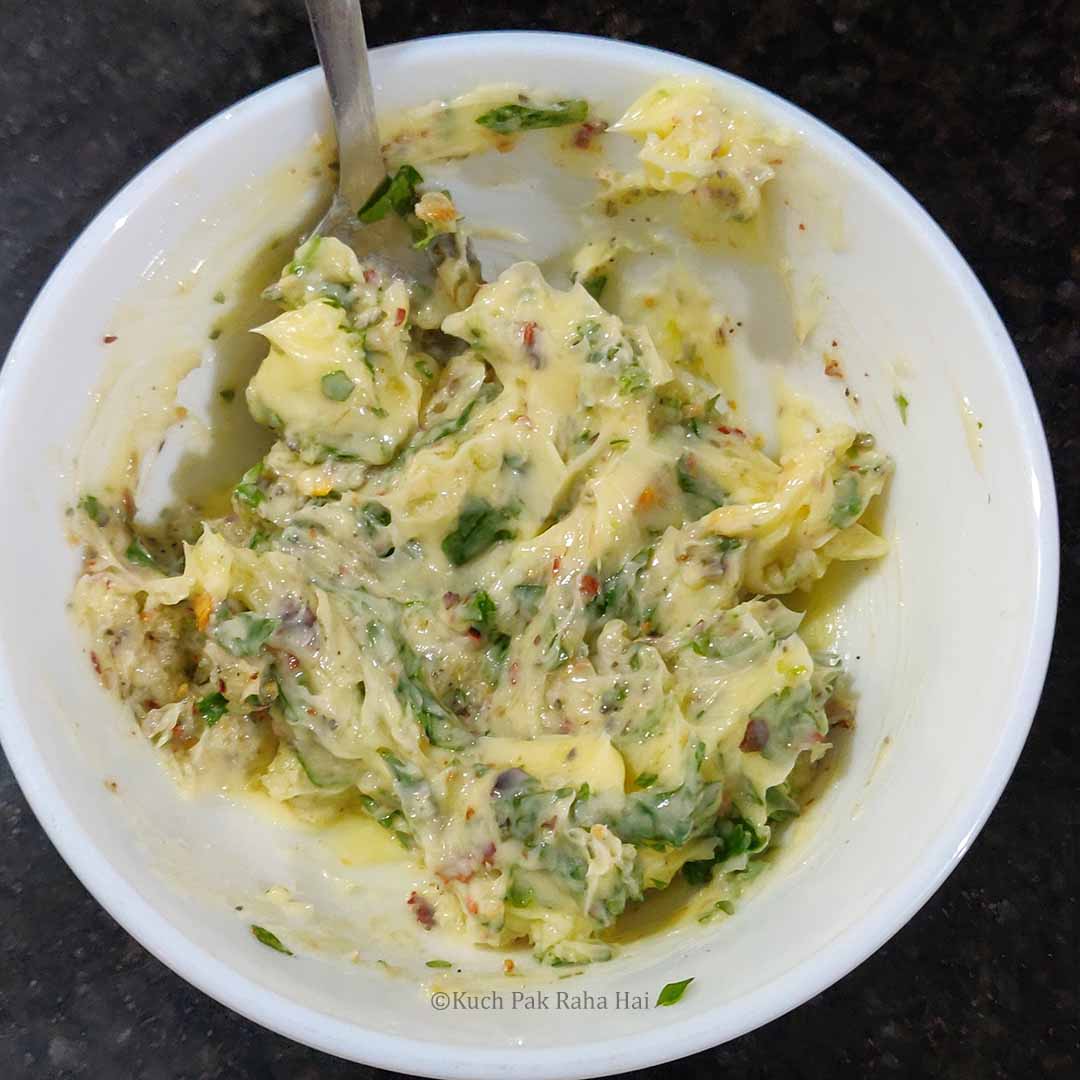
474 633
150 704
833 368
96 662
221 685
450 599
528 333
469 812
802 227
724 429
108 339
399 317
515 668
425 913
292 661
583 137
370 276
472 907
488 856
555 564
756 736
589 585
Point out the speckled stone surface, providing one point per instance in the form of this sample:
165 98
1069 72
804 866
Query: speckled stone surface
976 109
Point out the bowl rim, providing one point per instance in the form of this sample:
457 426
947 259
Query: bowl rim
603 1056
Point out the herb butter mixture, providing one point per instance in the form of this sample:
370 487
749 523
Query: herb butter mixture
509 579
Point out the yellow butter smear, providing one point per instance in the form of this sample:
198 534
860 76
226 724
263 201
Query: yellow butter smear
508 582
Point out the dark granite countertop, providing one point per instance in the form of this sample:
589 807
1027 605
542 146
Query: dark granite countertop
976 109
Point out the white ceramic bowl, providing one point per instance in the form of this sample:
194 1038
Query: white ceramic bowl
952 633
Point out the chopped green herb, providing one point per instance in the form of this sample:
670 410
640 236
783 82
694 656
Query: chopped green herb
456 423
438 964
248 491
215 333
397 193
480 527
848 504
245 634
213 707
219 297
902 404
439 724
510 118
594 285
673 992
779 805
692 482
92 508
271 941
375 515
481 609
138 554
646 780
528 597
734 837
633 380
423 234
661 818
726 906
519 894
305 256
611 700
497 652
227 394
337 386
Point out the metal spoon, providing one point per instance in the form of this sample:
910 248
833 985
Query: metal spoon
338 27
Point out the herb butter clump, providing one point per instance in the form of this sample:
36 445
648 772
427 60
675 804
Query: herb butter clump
516 598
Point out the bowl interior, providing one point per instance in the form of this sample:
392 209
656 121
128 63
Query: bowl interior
947 639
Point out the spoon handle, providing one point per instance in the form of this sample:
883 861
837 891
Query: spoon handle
338 26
